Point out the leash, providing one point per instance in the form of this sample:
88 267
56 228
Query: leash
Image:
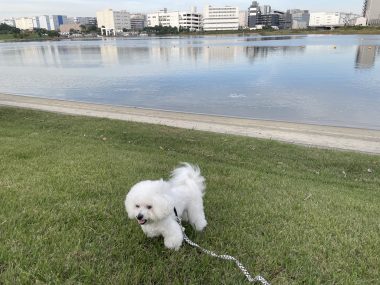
258 278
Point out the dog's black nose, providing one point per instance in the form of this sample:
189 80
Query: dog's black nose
140 217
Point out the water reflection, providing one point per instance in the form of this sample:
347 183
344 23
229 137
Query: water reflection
109 54
256 52
273 38
291 78
366 56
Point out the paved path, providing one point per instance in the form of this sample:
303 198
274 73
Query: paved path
361 140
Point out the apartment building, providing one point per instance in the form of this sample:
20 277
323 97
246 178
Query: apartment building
220 18
187 20
113 22
25 23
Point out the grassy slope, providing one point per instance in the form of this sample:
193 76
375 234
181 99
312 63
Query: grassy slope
295 215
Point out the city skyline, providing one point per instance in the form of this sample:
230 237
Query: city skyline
18 8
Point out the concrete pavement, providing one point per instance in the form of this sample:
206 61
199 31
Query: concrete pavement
361 140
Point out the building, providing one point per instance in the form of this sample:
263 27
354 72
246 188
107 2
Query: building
266 9
264 16
25 23
371 11
243 19
10 22
220 18
330 19
254 13
163 18
90 21
113 22
191 20
56 21
187 20
138 22
43 22
65 29
299 18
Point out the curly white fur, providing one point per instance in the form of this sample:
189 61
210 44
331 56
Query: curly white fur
152 204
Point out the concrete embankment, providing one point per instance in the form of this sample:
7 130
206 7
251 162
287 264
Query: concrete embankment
361 140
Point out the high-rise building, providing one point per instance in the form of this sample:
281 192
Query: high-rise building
220 18
371 10
243 19
266 9
44 22
112 22
254 13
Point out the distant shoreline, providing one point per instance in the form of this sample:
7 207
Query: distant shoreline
338 31
353 139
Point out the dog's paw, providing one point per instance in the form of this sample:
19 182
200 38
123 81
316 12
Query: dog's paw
200 225
173 242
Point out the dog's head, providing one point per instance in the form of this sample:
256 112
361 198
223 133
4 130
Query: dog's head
147 202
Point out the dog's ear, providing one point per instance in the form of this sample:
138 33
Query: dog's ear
130 206
162 206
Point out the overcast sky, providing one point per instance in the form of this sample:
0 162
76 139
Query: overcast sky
19 8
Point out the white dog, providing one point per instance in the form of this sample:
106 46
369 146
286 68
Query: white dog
152 203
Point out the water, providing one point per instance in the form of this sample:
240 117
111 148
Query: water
318 79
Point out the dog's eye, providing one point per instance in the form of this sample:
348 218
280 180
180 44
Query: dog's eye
149 207
137 206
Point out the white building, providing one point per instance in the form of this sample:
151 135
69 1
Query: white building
188 20
243 19
44 22
330 19
113 22
25 23
371 11
163 18
220 18
10 22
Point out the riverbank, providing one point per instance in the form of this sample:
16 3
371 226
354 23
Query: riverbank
270 32
353 139
291 214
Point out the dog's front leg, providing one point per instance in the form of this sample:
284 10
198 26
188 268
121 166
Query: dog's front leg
172 234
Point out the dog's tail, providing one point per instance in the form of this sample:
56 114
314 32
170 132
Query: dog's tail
189 175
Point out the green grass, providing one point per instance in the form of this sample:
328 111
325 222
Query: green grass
24 37
296 215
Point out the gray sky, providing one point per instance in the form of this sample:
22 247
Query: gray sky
19 8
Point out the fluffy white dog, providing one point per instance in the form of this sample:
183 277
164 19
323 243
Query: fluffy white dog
152 203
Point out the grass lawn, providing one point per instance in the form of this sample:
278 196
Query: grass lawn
293 214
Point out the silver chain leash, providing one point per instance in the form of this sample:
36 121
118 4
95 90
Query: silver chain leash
258 278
